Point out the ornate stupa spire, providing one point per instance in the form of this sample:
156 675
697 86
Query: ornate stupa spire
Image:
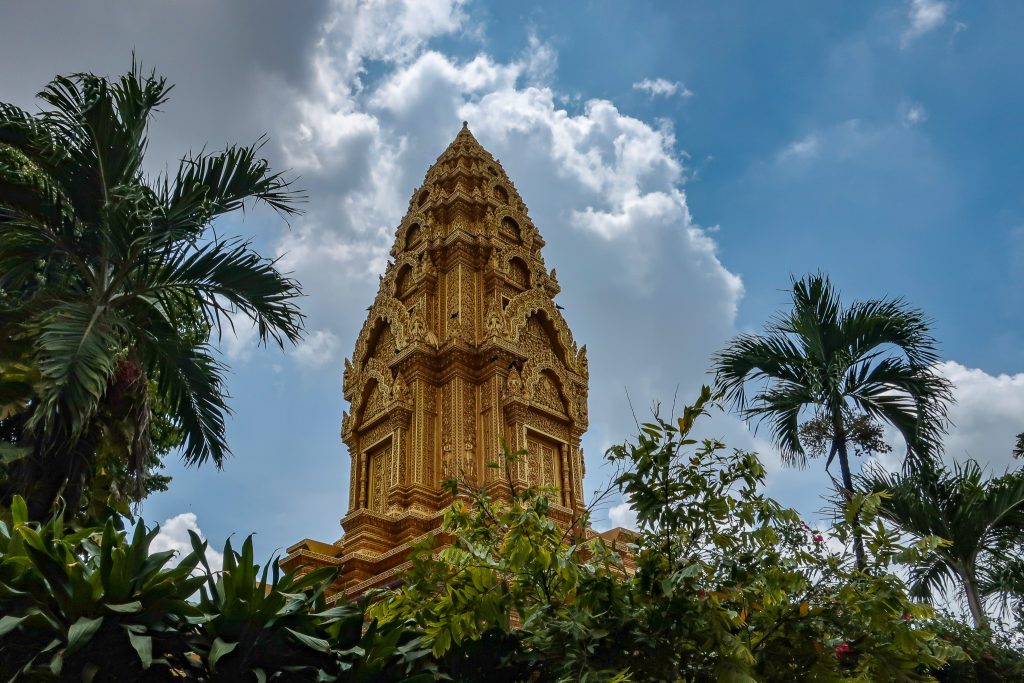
462 346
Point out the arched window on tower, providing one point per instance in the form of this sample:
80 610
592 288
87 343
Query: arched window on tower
519 272
544 465
413 236
403 283
510 230
375 486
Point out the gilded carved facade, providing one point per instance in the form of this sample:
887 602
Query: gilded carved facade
462 346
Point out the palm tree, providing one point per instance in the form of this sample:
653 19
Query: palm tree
106 275
982 520
874 358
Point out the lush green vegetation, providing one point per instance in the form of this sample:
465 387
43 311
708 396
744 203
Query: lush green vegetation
728 584
110 288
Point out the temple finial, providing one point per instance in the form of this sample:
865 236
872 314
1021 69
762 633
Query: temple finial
465 124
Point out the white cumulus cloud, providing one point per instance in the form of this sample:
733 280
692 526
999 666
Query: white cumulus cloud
605 189
239 339
623 515
174 536
318 349
987 416
924 16
662 87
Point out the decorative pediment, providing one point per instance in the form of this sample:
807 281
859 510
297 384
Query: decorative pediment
525 304
389 311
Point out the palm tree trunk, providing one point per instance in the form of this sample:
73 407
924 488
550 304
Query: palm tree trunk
974 600
52 471
839 436
46 479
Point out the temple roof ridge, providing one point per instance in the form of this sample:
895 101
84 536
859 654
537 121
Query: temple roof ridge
465 153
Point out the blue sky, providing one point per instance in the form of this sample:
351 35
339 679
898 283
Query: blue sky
682 160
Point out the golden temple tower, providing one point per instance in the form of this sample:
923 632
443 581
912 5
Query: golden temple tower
463 345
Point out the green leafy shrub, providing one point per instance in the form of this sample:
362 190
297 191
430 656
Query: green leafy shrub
993 656
728 584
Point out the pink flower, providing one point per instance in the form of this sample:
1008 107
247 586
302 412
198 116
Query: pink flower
906 617
842 650
818 538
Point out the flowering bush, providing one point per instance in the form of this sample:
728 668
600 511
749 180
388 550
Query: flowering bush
728 585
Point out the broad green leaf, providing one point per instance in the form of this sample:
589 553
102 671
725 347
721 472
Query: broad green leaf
143 646
311 642
10 453
126 607
218 650
57 664
9 623
19 511
82 631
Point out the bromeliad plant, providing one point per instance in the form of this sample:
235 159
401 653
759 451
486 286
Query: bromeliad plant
273 626
92 604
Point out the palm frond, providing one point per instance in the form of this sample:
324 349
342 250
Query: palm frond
190 381
108 266
871 324
932 578
1002 583
27 193
76 352
814 318
209 185
913 398
32 137
751 357
982 520
231 272
780 405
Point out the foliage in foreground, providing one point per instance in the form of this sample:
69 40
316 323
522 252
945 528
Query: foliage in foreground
94 604
720 584
993 655
729 585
